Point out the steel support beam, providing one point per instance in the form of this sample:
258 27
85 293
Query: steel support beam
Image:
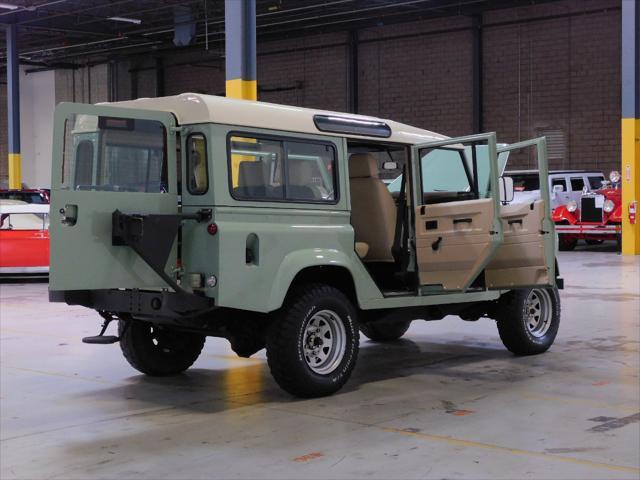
477 61
630 125
13 107
240 49
353 71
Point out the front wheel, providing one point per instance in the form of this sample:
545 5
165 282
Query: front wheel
156 350
312 344
528 319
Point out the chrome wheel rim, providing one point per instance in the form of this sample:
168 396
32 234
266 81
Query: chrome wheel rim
538 312
324 342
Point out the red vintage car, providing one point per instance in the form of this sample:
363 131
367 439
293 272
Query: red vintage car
24 238
595 218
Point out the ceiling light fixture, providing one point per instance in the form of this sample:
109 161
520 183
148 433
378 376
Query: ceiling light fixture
8 6
126 20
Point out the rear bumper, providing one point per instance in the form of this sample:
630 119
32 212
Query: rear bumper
137 302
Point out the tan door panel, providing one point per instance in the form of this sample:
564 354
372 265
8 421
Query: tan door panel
452 241
520 260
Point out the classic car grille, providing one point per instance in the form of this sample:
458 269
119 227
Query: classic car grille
588 210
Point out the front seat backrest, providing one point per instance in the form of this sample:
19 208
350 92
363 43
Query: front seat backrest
373 211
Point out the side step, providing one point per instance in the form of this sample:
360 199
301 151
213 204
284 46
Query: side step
101 339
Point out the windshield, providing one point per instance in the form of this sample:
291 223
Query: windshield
114 154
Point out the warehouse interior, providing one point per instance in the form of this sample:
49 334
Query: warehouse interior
444 401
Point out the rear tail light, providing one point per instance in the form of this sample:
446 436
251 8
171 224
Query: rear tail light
212 228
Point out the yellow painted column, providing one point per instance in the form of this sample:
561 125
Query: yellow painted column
630 172
243 89
15 171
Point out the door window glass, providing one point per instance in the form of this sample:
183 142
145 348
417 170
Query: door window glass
443 170
281 170
559 181
577 184
197 164
595 182
114 154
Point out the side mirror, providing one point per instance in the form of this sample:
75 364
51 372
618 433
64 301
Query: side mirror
390 166
506 189
558 188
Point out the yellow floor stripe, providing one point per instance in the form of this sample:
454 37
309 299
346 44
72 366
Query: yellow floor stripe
577 401
513 451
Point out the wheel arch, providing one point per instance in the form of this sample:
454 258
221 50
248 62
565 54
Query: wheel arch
329 267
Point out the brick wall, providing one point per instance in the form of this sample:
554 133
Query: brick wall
559 74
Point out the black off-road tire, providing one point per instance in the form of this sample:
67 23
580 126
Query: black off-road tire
172 352
566 244
287 333
512 317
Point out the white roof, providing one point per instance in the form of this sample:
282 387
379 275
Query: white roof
191 108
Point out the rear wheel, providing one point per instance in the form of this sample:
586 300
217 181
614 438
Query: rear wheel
566 242
312 344
528 319
156 350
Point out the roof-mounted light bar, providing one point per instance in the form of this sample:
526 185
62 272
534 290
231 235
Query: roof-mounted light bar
353 126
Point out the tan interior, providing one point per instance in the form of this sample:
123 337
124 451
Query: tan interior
465 241
373 211
362 249
520 260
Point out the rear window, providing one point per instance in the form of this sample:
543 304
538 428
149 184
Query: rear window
29 197
114 154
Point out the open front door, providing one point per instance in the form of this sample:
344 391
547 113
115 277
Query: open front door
105 159
527 256
457 229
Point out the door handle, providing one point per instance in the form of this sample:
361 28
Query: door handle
461 220
69 215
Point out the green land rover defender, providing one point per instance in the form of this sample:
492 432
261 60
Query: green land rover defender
290 229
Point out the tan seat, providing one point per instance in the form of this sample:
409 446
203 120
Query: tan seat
373 211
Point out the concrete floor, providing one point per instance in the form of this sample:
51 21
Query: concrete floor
447 401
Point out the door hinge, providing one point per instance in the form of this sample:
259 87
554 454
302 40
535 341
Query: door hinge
177 129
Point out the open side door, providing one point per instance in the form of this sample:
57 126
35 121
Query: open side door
457 228
108 159
527 256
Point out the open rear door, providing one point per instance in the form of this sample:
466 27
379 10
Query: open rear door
105 159
527 256
457 224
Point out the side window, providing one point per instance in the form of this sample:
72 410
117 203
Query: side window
197 164
559 181
443 170
282 170
84 163
577 184
310 169
596 182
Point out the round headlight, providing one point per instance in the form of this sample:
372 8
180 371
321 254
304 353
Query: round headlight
614 176
609 206
572 205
